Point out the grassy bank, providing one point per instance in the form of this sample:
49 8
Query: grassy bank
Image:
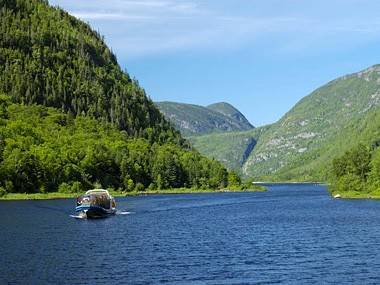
194 191
37 196
357 195
57 195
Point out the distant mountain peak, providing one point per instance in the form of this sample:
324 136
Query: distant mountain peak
193 119
221 104
301 145
321 125
230 111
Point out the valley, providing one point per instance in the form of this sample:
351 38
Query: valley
302 144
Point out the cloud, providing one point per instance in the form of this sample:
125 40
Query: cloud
144 27
110 16
123 7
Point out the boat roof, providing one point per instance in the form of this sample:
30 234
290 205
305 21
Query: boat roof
97 191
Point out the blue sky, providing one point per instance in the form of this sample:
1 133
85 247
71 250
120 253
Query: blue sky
262 56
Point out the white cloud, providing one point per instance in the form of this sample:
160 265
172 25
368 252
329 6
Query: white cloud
110 16
143 27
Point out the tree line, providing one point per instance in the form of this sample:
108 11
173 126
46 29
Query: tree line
357 170
45 150
71 119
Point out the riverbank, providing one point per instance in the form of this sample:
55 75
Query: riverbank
57 195
356 195
289 182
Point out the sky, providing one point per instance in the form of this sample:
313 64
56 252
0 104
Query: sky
262 56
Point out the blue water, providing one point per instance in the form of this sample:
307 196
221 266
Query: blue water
292 234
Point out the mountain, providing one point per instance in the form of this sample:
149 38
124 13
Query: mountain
230 111
70 119
196 120
232 149
324 124
49 57
302 144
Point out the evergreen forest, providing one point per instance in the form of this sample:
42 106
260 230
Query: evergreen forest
71 119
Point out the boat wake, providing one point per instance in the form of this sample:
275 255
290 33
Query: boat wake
81 216
78 216
123 213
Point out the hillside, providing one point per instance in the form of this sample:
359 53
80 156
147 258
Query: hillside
232 149
71 120
322 125
302 144
44 150
197 120
49 57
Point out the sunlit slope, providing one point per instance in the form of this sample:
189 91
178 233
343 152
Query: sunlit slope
71 119
232 149
325 123
51 58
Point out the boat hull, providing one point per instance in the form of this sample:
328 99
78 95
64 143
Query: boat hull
95 212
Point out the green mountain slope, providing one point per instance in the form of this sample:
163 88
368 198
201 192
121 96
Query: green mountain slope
316 164
322 125
70 119
44 150
49 57
302 144
196 120
232 149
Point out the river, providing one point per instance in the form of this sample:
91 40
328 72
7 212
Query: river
291 234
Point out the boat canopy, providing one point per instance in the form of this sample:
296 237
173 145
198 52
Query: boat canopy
96 197
98 191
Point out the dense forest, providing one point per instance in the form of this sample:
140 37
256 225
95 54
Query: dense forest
358 170
49 57
71 119
45 150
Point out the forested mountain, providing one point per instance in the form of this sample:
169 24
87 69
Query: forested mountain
70 119
45 150
302 144
49 57
322 125
196 120
232 149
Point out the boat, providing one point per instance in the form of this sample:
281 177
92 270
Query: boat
96 203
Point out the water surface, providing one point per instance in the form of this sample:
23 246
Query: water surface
290 234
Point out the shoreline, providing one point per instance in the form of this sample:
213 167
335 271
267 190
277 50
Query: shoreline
353 195
356 195
57 195
288 182
178 191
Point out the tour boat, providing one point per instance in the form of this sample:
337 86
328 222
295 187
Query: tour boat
96 203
